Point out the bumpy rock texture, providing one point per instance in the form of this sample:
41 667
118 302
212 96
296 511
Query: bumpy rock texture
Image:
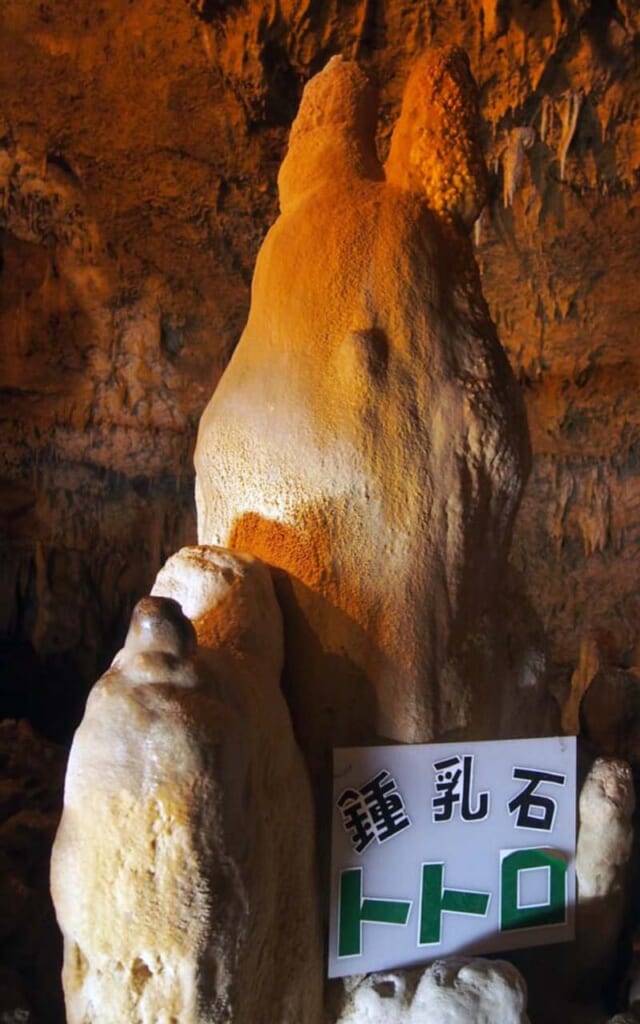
605 838
368 439
458 990
140 145
183 871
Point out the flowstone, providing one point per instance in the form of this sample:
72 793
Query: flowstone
368 439
183 872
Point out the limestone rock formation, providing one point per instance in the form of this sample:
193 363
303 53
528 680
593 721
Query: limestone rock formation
607 803
458 990
164 124
436 147
145 139
471 991
367 438
183 870
576 981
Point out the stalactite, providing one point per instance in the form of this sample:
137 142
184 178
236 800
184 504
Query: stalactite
207 42
518 140
569 116
363 20
490 18
547 111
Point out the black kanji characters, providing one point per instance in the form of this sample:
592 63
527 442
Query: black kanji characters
454 783
375 811
533 810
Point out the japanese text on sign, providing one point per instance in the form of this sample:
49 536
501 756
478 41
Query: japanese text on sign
450 847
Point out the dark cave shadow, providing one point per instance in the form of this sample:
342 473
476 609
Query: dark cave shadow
331 700
336 692
527 663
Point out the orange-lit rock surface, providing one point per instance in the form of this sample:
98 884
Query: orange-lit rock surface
138 158
140 144
368 438
139 148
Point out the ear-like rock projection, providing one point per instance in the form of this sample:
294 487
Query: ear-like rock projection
368 439
183 872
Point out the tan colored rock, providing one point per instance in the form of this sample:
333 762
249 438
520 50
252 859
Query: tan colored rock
572 981
183 870
436 147
367 438
165 129
607 803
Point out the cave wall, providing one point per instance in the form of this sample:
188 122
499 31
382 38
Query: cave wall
139 145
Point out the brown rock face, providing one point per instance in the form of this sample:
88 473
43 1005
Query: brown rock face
139 149
367 438
157 129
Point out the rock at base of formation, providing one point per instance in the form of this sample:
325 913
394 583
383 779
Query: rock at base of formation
183 870
571 981
368 438
458 990
607 803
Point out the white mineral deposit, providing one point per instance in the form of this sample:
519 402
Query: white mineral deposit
458 990
605 837
183 872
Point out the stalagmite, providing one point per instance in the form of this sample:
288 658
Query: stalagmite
458 990
183 870
546 117
607 803
464 990
518 140
368 439
569 118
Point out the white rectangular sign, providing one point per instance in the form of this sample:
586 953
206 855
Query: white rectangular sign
450 848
